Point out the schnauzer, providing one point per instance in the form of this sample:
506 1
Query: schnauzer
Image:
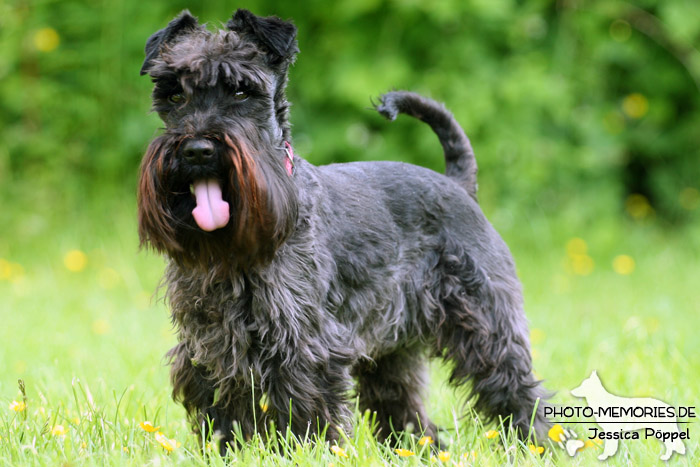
298 282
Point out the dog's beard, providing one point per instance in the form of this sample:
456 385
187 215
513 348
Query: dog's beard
226 217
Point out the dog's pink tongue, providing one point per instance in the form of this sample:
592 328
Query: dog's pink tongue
211 212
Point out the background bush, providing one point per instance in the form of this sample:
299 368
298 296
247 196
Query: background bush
572 106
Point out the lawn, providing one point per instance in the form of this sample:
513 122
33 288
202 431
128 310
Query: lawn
81 330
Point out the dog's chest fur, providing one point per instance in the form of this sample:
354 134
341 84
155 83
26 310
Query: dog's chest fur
363 286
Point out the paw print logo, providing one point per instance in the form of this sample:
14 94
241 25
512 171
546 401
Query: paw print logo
567 440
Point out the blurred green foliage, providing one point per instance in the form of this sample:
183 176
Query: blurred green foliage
572 106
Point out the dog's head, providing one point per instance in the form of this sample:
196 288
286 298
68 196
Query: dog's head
215 188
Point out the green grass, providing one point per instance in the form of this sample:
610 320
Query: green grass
89 345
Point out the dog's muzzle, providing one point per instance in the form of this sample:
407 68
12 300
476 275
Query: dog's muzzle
198 151
211 212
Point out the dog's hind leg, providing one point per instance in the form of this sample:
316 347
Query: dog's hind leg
393 386
483 333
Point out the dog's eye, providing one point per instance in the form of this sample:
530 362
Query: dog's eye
176 98
240 95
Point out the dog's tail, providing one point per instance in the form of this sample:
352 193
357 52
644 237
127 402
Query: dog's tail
460 163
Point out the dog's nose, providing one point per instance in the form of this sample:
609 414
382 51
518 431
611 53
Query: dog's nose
198 151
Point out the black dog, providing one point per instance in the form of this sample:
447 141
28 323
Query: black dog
290 280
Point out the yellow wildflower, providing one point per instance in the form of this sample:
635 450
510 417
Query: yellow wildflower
582 265
75 260
555 433
404 452
338 451
491 434
635 105
536 449
624 265
148 427
17 406
264 402
425 440
168 444
5 270
576 246
638 206
46 39
444 456
592 443
59 430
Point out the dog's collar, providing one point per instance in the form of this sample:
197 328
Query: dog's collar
289 159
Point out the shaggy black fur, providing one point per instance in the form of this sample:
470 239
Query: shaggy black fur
321 274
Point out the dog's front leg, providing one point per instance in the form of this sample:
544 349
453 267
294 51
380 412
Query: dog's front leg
211 413
190 382
309 396
236 418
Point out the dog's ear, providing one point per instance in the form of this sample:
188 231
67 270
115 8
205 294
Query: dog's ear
276 36
182 24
